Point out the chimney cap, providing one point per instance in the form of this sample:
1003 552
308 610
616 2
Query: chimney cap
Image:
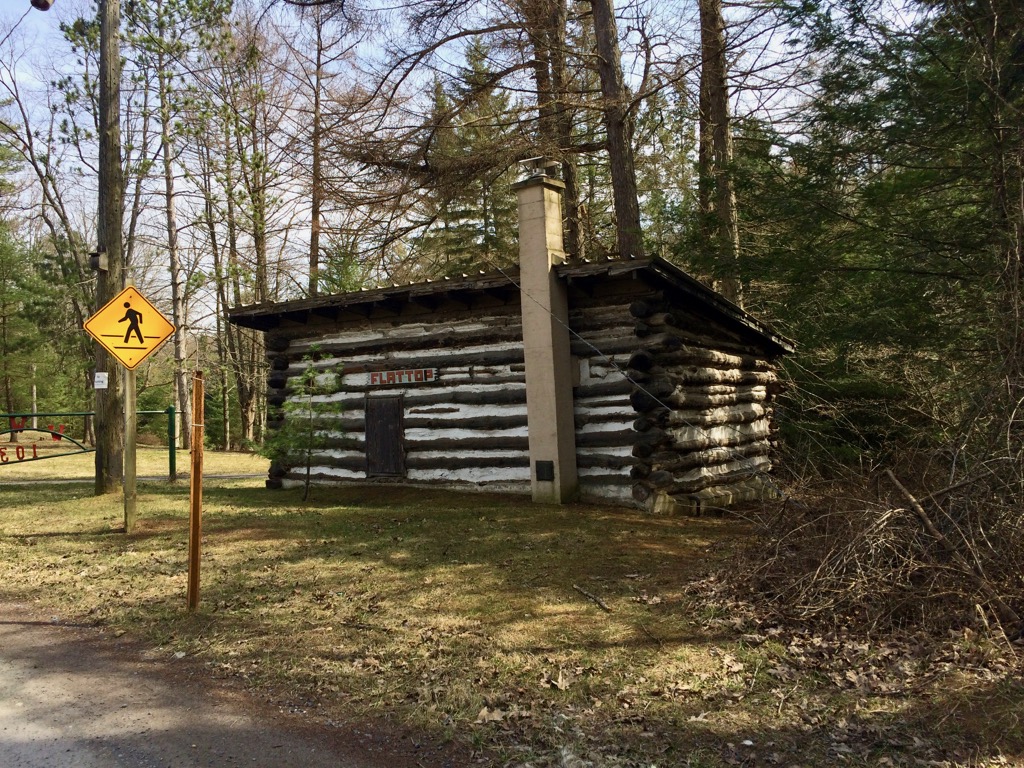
539 166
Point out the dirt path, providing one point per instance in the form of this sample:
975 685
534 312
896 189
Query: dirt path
73 696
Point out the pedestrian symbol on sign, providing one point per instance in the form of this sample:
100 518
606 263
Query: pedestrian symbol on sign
133 318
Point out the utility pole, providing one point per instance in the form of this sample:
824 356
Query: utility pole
109 281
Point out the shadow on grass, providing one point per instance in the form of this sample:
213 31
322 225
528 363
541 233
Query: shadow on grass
413 599
99 532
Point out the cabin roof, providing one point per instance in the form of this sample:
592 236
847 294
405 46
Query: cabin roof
699 298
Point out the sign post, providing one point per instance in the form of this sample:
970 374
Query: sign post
130 329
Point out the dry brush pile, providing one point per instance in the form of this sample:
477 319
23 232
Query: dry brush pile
886 554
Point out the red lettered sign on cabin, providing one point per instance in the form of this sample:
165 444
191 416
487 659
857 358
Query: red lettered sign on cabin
402 377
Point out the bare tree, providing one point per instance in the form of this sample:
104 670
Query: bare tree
318 49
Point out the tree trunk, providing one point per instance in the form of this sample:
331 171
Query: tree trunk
240 342
618 125
318 184
721 230
181 387
547 26
574 242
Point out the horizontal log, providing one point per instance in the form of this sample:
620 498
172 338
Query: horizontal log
658 340
416 397
427 358
684 380
722 477
593 483
455 462
482 423
647 359
438 333
350 423
450 376
453 446
675 461
350 463
620 345
692 375
622 438
587 461
659 388
467 396
701 438
469 444
617 414
710 396
711 358
710 417
342 442
607 388
597 319
608 485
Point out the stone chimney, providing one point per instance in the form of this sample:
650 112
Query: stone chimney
549 372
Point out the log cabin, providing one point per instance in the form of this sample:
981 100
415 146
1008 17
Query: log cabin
622 380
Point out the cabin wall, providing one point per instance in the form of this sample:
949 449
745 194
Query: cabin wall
601 345
672 410
468 426
704 415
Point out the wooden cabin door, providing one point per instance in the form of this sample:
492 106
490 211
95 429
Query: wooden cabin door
385 437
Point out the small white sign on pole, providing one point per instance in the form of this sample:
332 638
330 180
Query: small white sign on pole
100 380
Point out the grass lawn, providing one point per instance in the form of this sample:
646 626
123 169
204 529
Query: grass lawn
150 462
528 634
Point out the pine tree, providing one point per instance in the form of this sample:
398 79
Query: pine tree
471 208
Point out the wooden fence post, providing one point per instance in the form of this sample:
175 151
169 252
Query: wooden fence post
195 529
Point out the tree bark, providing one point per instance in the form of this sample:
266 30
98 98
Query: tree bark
317 192
558 17
721 230
618 125
181 385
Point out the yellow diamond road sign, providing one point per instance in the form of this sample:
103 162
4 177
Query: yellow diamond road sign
129 327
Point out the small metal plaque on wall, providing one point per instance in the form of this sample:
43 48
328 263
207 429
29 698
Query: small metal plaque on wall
545 470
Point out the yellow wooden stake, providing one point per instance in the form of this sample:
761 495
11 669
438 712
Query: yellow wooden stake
131 423
195 528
